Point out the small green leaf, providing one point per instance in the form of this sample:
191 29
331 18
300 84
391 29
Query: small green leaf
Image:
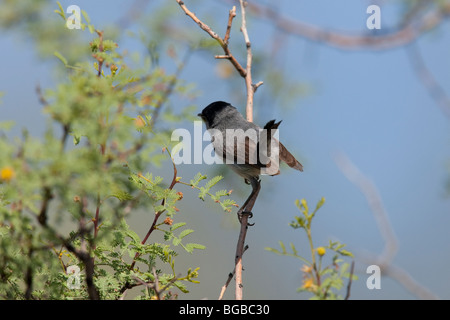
197 178
283 248
177 225
176 241
133 235
61 11
184 233
320 204
122 195
202 193
294 250
60 57
272 250
181 286
196 246
76 139
211 183
345 253
86 17
304 204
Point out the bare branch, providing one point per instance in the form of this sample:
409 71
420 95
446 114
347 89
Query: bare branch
384 260
430 83
350 278
389 40
230 21
245 210
375 203
230 276
215 36
248 77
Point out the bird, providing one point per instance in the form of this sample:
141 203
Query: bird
248 149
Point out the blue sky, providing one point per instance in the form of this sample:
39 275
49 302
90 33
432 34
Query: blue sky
368 104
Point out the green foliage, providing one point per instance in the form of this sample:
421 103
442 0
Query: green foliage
65 198
324 282
226 204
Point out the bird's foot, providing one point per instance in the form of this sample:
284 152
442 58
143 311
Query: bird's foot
241 215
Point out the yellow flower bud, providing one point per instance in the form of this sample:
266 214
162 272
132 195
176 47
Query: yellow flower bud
321 251
7 174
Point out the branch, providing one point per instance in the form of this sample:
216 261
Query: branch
248 76
82 254
170 88
350 278
157 215
230 21
100 48
214 35
373 198
239 253
251 88
392 39
230 276
384 260
88 262
430 83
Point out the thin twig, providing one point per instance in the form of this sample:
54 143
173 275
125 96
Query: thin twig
230 21
41 97
436 91
349 285
157 215
100 48
248 70
215 36
170 88
96 219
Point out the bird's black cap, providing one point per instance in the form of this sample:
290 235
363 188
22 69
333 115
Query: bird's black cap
213 109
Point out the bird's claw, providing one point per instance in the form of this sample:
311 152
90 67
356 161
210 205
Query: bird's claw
250 215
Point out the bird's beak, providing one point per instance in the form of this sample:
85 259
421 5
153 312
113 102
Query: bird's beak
202 116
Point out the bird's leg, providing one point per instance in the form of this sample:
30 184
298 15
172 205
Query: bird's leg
250 202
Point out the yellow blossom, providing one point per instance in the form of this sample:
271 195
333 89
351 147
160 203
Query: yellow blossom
308 283
321 251
7 174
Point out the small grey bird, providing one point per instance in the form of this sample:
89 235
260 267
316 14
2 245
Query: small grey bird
252 151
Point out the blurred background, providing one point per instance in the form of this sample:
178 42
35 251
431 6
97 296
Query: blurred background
377 98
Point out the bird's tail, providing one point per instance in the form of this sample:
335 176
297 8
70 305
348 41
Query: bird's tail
284 154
